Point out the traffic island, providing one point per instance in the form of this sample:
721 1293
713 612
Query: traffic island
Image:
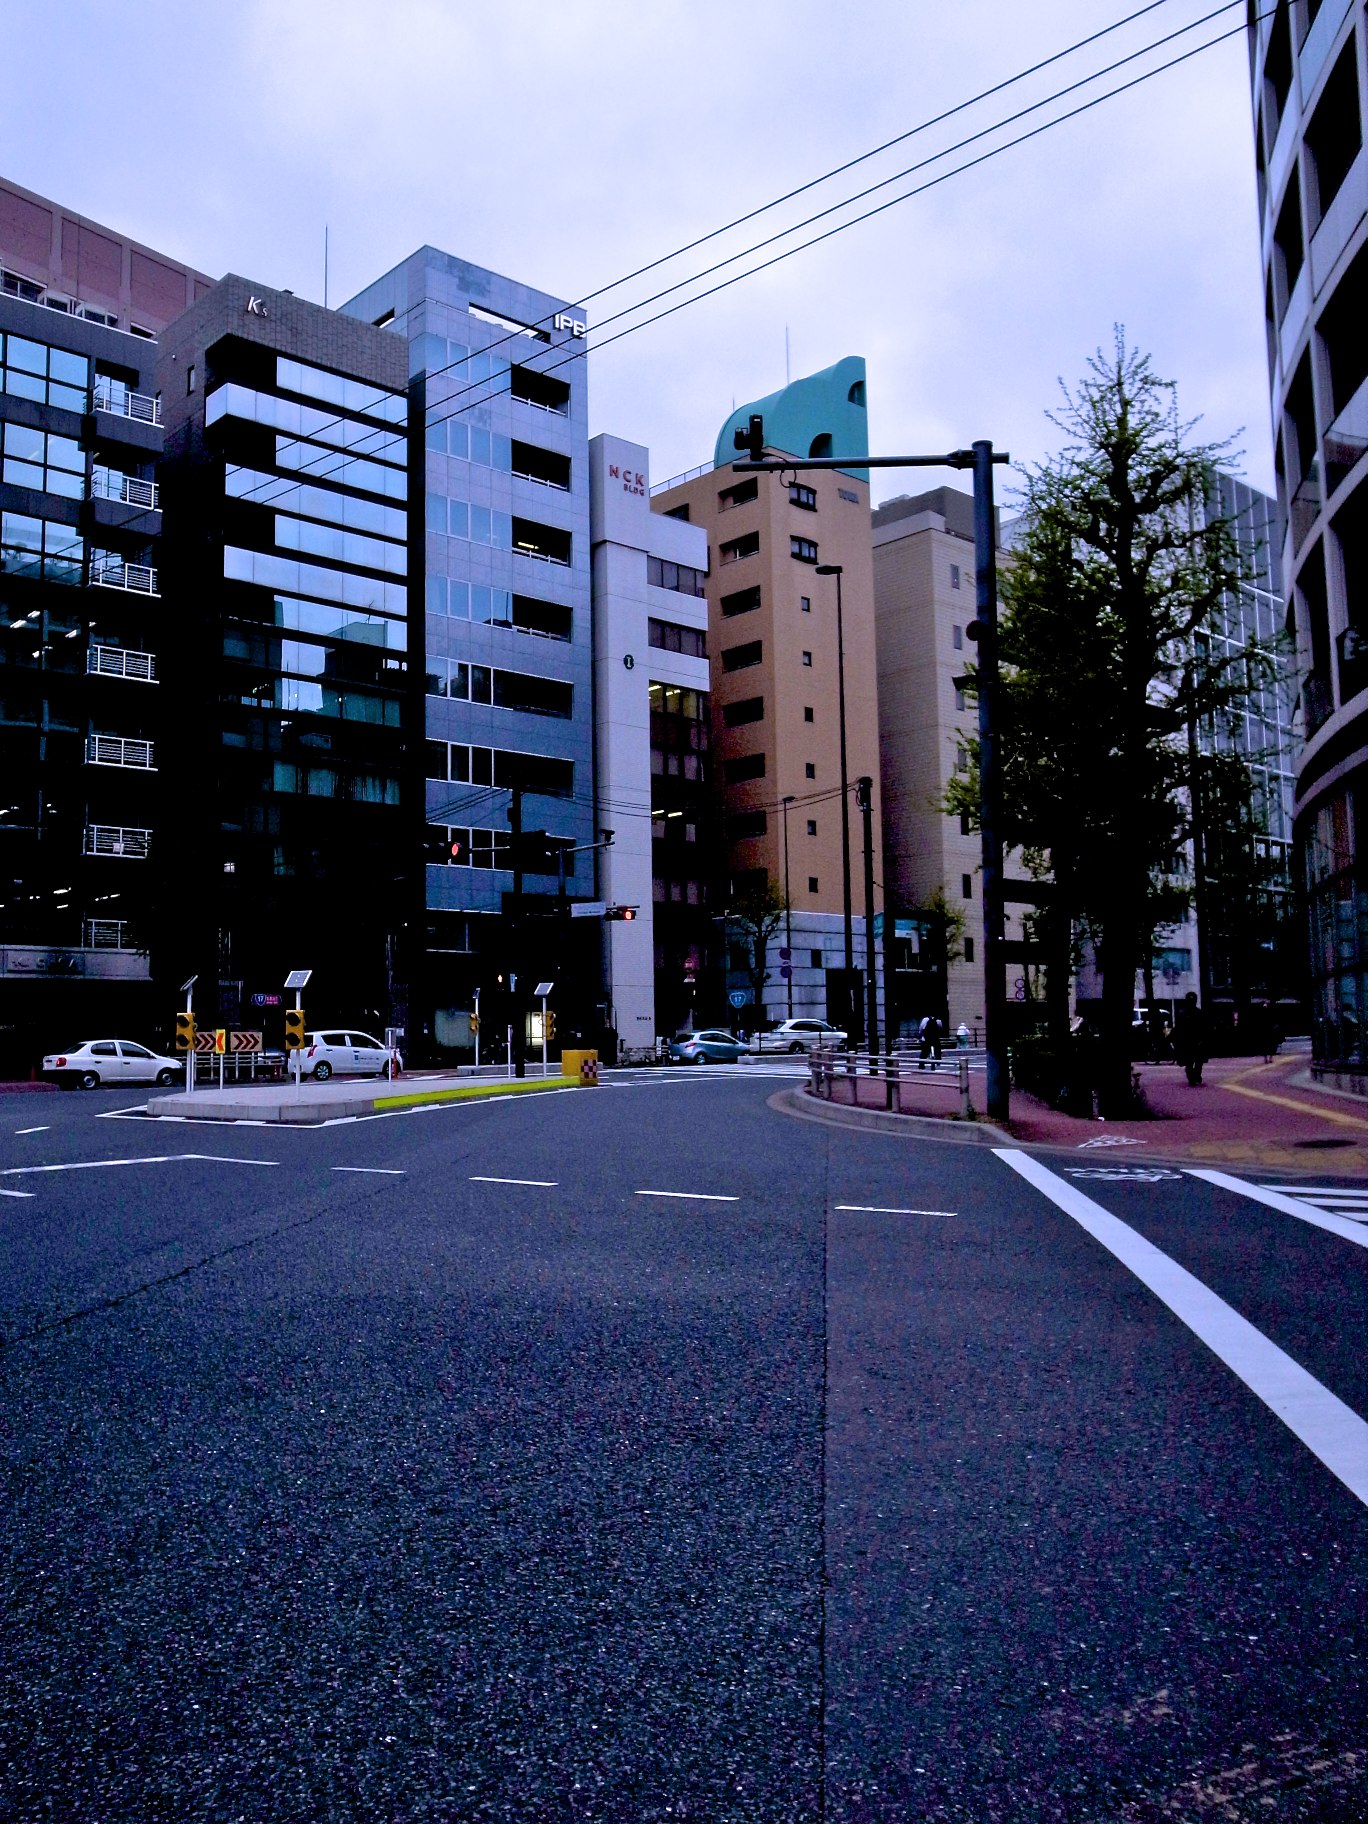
312 1104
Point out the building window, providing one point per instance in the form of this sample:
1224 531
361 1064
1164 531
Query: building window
957 638
804 497
816 956
804 549
190 378
737 548
679 577
954 576
968 949
741 602
810 770
966 886
741 658
959 698
807 658
812 826
812 883
749 709
738 496
747 766
965 827
805 604
745 825
669 636
1333 136
807 713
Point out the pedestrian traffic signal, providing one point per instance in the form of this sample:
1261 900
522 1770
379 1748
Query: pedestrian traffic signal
752 439
474 1022
623 912
294 1029
550 1025
185 1032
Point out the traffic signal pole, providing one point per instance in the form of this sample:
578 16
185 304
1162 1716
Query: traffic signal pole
518 1035
981 459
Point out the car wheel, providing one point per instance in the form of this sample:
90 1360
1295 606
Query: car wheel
90 1079
702 1058
321 1072
795 1048
165 1078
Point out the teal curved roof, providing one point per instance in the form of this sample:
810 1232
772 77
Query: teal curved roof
830 405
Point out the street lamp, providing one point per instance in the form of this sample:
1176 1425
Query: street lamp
786 801
836 571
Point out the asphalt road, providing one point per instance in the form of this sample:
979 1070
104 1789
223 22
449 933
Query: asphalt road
646 1454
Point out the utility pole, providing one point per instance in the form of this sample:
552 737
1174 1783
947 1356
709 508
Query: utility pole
981 459
984 631
837 570
788 908
518 1037
864 797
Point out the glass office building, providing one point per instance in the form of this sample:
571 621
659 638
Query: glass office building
291 826
498 385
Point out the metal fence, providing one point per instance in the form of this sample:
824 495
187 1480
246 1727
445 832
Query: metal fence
893 1081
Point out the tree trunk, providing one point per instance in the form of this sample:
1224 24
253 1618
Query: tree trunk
1120 940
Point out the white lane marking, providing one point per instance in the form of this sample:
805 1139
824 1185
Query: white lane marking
96 1165
1331 1430
1317 1190
33 1130
692 1196
879 1209
1342 1226
547 1184
378 1171
5 1193
1108 1140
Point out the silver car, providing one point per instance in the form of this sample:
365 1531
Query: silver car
111 1062
347 1054
802 1035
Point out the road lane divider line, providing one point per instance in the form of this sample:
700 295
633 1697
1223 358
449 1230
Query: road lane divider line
33 1130
377 1171
1327 1427
4 1193
96 1165
691 1196
1342 1226
880 1209
545 1184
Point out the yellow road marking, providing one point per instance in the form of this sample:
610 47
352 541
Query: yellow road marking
1302 1108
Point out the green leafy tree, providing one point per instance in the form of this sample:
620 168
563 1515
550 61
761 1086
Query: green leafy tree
755 914
1118 578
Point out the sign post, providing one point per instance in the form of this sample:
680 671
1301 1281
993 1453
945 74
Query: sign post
543 989
475 1028
188 990
298 979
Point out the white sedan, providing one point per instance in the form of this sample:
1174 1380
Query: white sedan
802 1035
111 1062
347 1054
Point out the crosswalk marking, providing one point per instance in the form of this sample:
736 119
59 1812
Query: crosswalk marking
1347 1227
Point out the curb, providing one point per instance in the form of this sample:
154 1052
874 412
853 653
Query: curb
798 1103
314 1114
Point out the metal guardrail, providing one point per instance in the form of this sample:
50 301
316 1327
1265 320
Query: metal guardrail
116 750
115 839
122 662
112 396
872 1079
109 572
132 490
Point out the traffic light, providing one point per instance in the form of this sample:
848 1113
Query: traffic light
185 1032
294 1029
752 439
623 912
474 1022
550 1025
441 846
536 852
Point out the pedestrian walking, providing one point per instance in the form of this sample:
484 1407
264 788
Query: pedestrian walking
929 1038
1191 1044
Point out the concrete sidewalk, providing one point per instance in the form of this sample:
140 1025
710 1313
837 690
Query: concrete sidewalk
1245 1113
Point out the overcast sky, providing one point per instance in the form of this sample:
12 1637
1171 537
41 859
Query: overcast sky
567 144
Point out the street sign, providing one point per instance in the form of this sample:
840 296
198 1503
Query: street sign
786 956
786 971
244 1041
220 1039
265 1000
204 1041
588 908
298 978
738 997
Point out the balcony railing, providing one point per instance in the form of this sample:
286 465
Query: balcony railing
1318 702
1306 505
132 490
114 839
542 481
106 934
116 750
122 662
110 572
1347 438
113 396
